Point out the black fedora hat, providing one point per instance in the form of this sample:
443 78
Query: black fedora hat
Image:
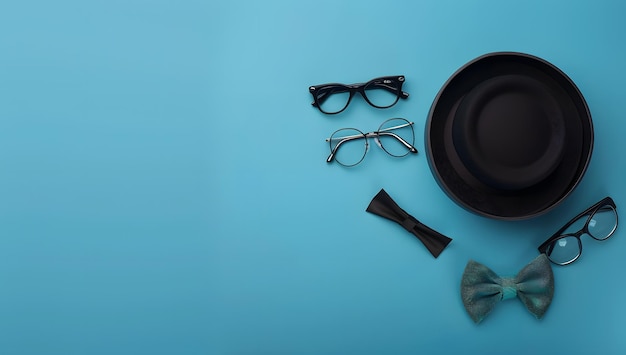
509 136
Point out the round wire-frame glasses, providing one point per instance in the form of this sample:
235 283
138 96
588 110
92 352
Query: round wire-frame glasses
598 221
348 146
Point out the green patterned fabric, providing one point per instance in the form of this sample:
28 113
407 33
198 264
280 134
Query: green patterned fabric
482 289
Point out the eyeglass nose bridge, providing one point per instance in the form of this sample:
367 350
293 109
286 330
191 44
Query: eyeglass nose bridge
378 142
580 233
357 88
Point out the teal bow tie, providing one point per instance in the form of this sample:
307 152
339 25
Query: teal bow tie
482 289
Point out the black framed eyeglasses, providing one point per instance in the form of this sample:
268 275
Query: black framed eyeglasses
598 221
381 92
348 146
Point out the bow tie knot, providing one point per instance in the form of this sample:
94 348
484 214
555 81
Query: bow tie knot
482 289
408 224
509 288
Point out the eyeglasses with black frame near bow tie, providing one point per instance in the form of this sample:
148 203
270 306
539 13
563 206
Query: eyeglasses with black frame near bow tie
381 92
598 221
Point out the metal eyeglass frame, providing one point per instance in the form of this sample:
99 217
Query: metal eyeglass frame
375 134
392 84
606 202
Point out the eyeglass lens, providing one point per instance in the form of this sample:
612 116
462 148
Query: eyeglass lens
600 225
333 99
348 146
391 133
382 93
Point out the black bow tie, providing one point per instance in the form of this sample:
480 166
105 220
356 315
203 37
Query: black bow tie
384 206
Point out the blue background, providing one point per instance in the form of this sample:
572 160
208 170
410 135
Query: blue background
164 190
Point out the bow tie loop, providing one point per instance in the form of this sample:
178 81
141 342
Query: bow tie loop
482 289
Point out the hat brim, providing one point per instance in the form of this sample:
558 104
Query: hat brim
479 195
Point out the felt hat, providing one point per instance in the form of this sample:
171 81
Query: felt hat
509 136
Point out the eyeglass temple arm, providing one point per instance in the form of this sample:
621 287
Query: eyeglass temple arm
369 134
323 96
384 131
343 140
408 145
543 248
393 90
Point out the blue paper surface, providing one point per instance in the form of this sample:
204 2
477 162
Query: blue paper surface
164 190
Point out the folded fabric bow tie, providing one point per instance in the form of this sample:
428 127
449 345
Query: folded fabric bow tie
482 289
383 205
